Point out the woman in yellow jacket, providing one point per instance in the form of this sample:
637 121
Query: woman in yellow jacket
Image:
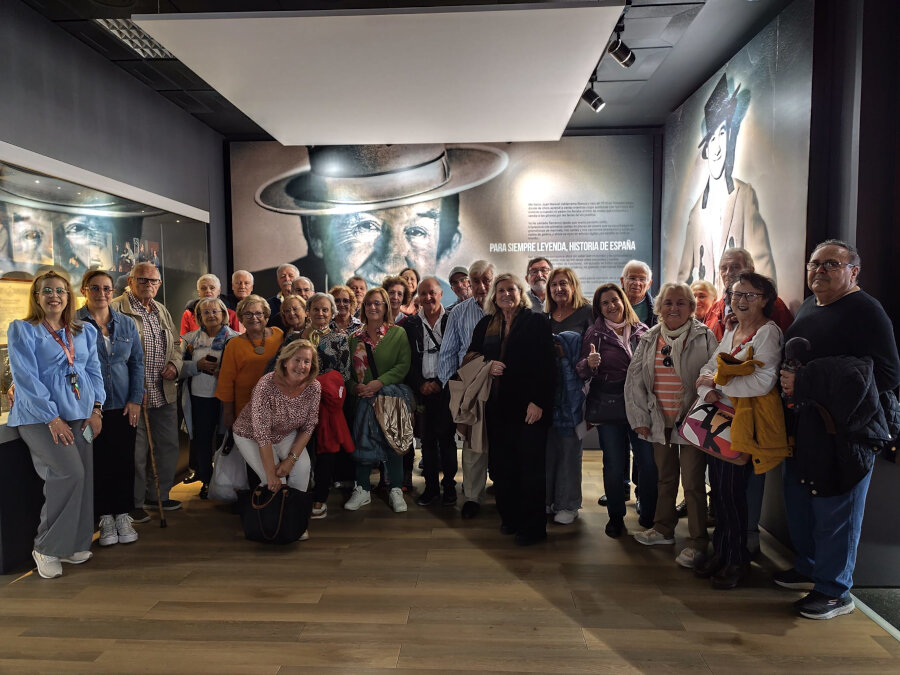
744 372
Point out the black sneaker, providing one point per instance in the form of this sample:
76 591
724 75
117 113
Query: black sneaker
428 497
793 580
167 505
139 516
470 509
449 498
681 509
820 606
192 477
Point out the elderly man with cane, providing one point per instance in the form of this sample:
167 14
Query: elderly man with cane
162 362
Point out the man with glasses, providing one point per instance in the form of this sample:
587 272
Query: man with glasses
457 338
459 282
425 331
537 272
635 281
734 261
162 363
851 365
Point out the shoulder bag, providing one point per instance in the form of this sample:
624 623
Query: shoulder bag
708 427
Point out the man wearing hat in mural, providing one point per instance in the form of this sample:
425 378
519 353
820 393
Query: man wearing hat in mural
726 214
371 210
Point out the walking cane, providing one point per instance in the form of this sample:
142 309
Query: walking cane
162 514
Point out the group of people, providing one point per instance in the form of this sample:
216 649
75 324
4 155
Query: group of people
521 370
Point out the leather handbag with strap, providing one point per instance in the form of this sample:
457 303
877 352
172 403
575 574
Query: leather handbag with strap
274 517
605 403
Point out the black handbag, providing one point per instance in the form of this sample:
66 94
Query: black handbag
605 403
274 518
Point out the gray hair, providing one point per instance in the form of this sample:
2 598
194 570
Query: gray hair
236 272
316 297
490 307
209 277
307 280
287 266
638 263
479 267
146 263
853 254
747 256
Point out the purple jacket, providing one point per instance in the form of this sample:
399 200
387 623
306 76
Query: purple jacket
614 360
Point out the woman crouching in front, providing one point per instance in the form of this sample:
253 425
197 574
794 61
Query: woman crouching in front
272 431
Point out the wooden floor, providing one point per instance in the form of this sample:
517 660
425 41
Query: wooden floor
372 591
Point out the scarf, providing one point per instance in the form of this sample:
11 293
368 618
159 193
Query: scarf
625 338
218 343
676 339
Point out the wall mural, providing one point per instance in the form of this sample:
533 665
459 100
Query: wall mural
339 211
736 157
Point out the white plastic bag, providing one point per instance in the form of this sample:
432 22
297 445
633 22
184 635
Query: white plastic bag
229 472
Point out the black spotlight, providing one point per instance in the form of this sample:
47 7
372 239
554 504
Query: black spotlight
621 52
592 98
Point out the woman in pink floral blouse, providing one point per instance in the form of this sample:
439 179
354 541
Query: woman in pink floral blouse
272 431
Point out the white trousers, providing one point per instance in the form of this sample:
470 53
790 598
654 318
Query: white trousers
298 478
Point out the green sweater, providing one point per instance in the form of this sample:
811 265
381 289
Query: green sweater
392 358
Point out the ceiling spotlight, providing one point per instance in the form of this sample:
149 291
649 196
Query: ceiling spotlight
592 98
621 52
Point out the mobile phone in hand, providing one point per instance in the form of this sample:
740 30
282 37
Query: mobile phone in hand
88 433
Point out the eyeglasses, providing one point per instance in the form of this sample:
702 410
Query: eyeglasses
342 301
374 303
106 290
253 315
148 280
737 295
539 270
829 265
47 292
211 312
666 351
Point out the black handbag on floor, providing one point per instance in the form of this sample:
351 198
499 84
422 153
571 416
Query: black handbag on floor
274 518
605 403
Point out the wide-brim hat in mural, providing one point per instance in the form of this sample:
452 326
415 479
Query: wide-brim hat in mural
353 178
720 107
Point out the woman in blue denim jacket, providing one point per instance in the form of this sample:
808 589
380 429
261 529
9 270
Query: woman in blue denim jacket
122 365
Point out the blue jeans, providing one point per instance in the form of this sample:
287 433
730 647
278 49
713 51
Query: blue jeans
614 440
825 531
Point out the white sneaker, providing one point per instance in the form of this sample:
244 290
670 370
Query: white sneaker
688 557
126 531
319 512
47 565
304 536
359 497
651 537
108 533
396 500
77 558
565 517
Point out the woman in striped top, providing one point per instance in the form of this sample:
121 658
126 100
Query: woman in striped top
659 390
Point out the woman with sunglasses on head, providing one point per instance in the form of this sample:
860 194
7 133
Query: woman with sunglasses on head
59 396
755 340
660 389
203 349
345 321
122 362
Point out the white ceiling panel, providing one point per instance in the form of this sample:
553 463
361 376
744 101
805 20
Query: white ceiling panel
462 74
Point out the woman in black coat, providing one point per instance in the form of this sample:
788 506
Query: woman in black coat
519 345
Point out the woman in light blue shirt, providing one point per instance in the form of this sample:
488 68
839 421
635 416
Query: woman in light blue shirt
58 410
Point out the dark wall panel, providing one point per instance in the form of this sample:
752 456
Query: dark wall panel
62 100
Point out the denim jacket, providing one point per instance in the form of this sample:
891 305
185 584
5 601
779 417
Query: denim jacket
123 369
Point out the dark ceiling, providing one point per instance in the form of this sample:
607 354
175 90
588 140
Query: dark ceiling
677 44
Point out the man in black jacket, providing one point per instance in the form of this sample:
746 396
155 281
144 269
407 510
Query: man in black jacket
425 331
826 481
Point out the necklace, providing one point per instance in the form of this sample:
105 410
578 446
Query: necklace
258 348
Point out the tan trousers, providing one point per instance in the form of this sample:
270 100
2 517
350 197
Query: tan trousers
475 470
690 463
